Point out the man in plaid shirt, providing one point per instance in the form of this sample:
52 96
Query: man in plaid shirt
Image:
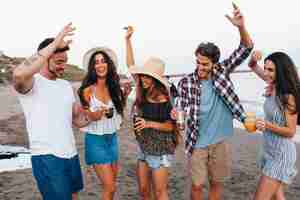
207 96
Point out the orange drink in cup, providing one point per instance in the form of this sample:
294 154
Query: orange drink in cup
250 122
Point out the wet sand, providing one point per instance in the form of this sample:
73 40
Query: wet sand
21 185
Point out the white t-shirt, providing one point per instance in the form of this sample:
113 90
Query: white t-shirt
48 112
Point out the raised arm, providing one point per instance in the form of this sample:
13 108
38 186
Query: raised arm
238 20
253 64
23 75
246 44
129 50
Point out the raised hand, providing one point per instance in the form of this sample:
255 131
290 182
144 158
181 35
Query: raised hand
129 50
129 32
238 18
255 58
67 31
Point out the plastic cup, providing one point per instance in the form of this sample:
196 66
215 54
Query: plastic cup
180 119
250 122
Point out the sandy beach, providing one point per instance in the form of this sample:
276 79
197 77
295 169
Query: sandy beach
21 185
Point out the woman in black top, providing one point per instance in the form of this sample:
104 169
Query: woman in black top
154 129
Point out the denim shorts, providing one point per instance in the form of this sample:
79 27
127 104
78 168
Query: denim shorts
155 162
57 178
101 149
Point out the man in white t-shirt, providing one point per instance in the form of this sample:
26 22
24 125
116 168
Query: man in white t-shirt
49 106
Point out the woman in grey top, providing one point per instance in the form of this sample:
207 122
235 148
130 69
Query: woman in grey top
281 108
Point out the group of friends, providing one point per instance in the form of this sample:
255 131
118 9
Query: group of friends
206 96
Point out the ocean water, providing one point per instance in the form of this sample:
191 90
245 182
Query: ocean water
250 90
22 161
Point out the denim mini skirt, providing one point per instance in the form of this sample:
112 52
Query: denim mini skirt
101 149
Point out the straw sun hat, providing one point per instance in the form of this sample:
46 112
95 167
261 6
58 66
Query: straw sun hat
153 67
87 56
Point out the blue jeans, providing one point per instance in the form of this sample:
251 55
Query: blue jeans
57 178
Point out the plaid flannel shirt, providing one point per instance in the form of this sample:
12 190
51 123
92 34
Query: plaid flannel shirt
189 89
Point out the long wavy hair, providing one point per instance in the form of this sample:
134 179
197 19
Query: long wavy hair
158 89
286 81
112 82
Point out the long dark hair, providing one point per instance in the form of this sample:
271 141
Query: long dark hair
286 81
112 81
158 89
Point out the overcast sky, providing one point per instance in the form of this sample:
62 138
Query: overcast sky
169 29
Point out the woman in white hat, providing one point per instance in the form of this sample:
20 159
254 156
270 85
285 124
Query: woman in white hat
100 93
154 128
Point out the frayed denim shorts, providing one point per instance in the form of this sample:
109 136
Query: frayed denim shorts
155 162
